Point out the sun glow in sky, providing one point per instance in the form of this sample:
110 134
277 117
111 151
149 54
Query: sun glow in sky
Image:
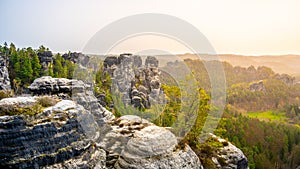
252 27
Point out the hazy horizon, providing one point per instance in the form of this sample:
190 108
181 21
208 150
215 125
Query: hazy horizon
232 27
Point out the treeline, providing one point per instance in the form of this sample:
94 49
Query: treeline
24 65
276 95
279 93
266 145
233 74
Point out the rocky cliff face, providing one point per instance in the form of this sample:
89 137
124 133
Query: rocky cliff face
45 58
67 135
4 76
57 136
231 156
48 85
80 133
76 58
137 83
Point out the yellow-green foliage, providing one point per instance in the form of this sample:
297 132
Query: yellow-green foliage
5 94
267 116
13 110
171 110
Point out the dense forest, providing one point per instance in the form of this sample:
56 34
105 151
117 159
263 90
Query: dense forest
262 115
25 65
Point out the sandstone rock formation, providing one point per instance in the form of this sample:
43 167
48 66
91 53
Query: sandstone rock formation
49 85
257 86
233 157
287 79
68 136
137 143
137 83
76 90
76 58
59 136
45 58
4 76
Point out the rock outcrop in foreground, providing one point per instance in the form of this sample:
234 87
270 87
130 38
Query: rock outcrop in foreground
48 85
66 135
136 143
56 136
232 156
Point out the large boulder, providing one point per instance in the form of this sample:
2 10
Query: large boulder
4 76
134 142
60 136
49 85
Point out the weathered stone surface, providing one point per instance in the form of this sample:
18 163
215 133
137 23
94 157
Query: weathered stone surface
138 83
178 159
233 156
110 61
4 76
257 86
137 61
134 142
49 85
61 136
155 147
151 61
76 58
94 158
90 102
150 141
18 102
45 57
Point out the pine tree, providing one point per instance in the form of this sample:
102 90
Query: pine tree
58 67
36 66
70 69
26 69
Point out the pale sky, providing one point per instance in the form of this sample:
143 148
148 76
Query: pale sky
252 27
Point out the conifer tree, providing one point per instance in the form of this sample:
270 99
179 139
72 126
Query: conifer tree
58 67
36 66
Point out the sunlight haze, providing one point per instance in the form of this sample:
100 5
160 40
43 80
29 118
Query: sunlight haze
239 27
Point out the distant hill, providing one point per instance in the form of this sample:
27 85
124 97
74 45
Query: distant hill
289 64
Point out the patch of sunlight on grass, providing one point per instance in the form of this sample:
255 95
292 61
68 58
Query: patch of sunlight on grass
267 116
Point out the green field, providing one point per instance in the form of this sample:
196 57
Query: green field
268 116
